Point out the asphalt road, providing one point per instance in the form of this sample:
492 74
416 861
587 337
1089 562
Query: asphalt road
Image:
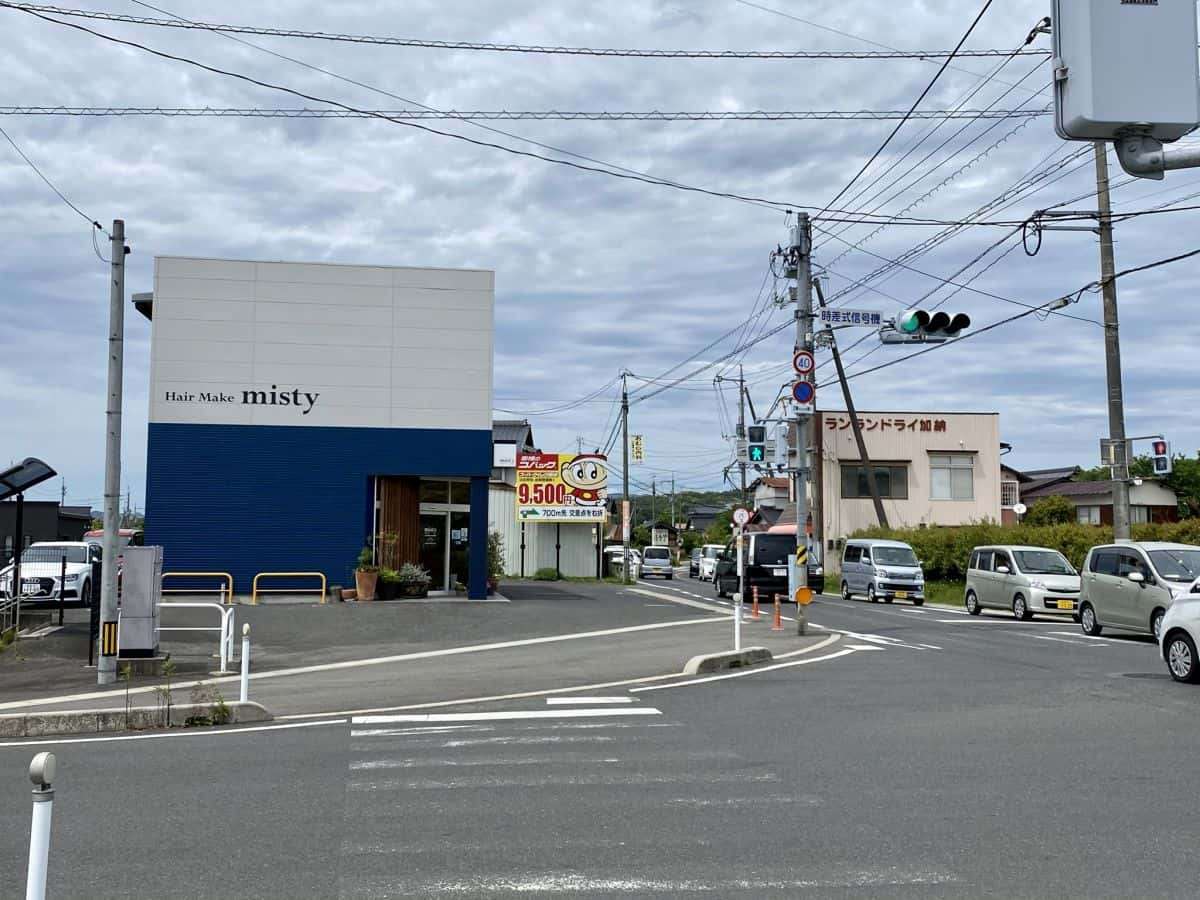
924 753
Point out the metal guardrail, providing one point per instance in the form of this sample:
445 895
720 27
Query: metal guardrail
10 611
225 641
225 590
256 590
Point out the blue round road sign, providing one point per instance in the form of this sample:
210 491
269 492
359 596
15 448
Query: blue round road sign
804 393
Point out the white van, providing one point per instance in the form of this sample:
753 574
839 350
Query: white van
882 570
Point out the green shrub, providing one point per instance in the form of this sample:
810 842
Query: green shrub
547 574
1053 510
944 552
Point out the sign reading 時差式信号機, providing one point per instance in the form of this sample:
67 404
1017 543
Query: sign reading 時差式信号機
561 487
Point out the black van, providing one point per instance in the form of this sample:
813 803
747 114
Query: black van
767 560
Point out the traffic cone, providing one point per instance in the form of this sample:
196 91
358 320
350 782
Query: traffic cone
754 613
777 625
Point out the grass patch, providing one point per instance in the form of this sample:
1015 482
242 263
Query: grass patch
6 638
948 593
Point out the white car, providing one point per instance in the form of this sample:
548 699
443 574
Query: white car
709 554
41 569
1181 635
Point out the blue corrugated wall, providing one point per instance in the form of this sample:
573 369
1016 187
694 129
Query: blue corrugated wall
245 499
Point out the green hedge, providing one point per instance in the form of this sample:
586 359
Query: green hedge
944 551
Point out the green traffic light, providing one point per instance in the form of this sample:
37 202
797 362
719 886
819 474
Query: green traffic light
758 453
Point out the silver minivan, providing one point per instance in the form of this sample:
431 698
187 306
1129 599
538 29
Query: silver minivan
1130 585
882 570
1026 580
657 561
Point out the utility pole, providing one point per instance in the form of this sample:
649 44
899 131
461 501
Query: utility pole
864 457
672 499
1112 351
106 661
802 258
62 493
626 510
653 501
741 429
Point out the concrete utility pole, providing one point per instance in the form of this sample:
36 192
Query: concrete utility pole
1112 351
626 505
741 429
106 660
802 256
672 499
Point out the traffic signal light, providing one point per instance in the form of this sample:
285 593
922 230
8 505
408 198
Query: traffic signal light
1160 456
931 326
756 444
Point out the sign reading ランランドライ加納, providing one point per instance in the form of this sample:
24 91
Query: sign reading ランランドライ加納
561 487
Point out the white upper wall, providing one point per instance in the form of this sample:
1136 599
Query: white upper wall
271 343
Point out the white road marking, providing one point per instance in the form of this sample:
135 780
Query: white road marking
372 765
1043 637
599 701
743 672
1079 635
863 647
542 780
505 716
374 661
191 733
610 886
682 601
885 641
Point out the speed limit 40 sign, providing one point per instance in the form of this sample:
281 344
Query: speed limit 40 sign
803 362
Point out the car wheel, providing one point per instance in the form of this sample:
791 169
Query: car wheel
671 577
1021 609
1181 658
871 594
85 594
1156 621
918 601
1087 621
846 595
888 599
973 606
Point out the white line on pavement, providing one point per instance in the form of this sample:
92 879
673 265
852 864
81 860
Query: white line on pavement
599 701
744 672
682 601
506 715
374 661
194 733
1043 637
863 647
1079 635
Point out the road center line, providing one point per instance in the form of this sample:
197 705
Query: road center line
744 672
507 715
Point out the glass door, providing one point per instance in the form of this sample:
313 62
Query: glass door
460 557
434 532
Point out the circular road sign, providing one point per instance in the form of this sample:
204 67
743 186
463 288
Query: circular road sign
1020 509
804 393
803 362
740 517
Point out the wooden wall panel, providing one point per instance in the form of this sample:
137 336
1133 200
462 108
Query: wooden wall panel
399 539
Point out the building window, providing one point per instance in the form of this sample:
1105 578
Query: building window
952 477
1139 515
1010 494
1087 515
892 482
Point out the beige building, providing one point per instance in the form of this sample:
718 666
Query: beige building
932 469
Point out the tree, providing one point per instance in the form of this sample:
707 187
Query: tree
1053 510
721 530
689 541
641 537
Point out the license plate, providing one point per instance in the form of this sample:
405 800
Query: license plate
901 595
779 571
1066 604
31 587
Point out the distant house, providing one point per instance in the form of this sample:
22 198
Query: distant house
44 520
1150 501
771 504
702 518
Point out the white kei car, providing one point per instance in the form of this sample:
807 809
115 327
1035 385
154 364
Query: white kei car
41 569
1181 635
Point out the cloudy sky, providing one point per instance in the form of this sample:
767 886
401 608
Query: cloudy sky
594 274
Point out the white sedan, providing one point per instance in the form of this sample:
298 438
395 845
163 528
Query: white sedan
1180 635
41 570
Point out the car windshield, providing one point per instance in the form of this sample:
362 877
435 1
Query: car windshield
712 552
895 556
1177 565
657 553
53 553
773 549
1044 562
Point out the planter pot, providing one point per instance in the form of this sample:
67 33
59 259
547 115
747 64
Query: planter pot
413 590
388 590
493 585
365 583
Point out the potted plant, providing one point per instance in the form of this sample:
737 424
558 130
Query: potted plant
366 575
412 581
389 584
495 561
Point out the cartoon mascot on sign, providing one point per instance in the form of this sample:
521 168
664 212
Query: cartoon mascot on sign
586 478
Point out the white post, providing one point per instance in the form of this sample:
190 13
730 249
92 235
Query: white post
223 648
737 606
244 694
41 773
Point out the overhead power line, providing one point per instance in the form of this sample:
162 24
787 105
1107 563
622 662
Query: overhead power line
427 44
50 184
812 115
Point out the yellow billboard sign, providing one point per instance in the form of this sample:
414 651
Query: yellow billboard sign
561 487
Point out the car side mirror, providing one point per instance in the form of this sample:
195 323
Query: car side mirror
1003 570
1137 578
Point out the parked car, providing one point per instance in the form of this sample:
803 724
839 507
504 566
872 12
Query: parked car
1132 585
1181 634
614 559
657 561
882 570
41 571
1026 580
126 537
694 563
710 553
768 557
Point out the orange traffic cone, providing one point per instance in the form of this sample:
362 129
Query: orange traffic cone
777 625
754 613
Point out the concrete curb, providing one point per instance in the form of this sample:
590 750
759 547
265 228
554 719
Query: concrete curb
101 721
719 662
